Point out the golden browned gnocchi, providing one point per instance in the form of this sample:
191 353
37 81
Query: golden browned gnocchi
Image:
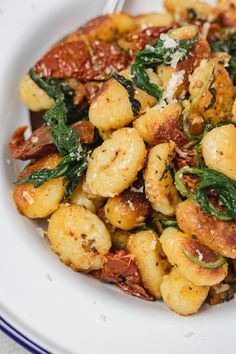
184 8
145 247
33 96
154 19
160 125
105 28
42 201
219 235
159 186
218 149
127 210
193 259
213 91
159 93
180 295
79 237
111 108
234 112
114 165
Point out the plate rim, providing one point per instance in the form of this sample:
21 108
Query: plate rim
24 328
21 339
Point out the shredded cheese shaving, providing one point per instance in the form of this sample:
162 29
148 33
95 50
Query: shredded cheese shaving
28 197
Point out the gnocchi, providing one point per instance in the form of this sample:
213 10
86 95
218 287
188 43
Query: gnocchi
182 296
33 96
114 165
218 149
145 247
183 7
127 210
176 243
154 19
212 82
219 235
111 108
42 201
79 237
159 186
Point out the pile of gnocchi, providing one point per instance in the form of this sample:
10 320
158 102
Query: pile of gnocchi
132 159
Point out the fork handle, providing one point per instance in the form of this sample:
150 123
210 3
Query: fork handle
113 6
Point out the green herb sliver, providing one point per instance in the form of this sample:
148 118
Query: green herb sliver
128 85
209 178
210 265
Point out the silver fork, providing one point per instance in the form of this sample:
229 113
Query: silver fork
113 6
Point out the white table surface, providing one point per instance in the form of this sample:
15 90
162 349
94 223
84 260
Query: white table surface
8 346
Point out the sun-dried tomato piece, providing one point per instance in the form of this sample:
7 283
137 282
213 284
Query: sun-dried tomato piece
119 268
134 290
40 142
146 36
82 61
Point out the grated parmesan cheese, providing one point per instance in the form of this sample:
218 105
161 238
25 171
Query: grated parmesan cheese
131 205
40 231
205 28
177 16
189 334
176 58
110 194
34 139
28 197
153 244
200 255
168 42
221 288
175 81
203 63
138 190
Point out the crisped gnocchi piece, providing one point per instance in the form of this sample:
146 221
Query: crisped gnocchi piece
234 112
219 235
127 210
159 186
183 7
212 88
154 19
114 165
160 125
180 295
218 149
79 237
192 258
105 28
33 96
111 108
42 201
145 247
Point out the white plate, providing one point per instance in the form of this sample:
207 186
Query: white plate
56 308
